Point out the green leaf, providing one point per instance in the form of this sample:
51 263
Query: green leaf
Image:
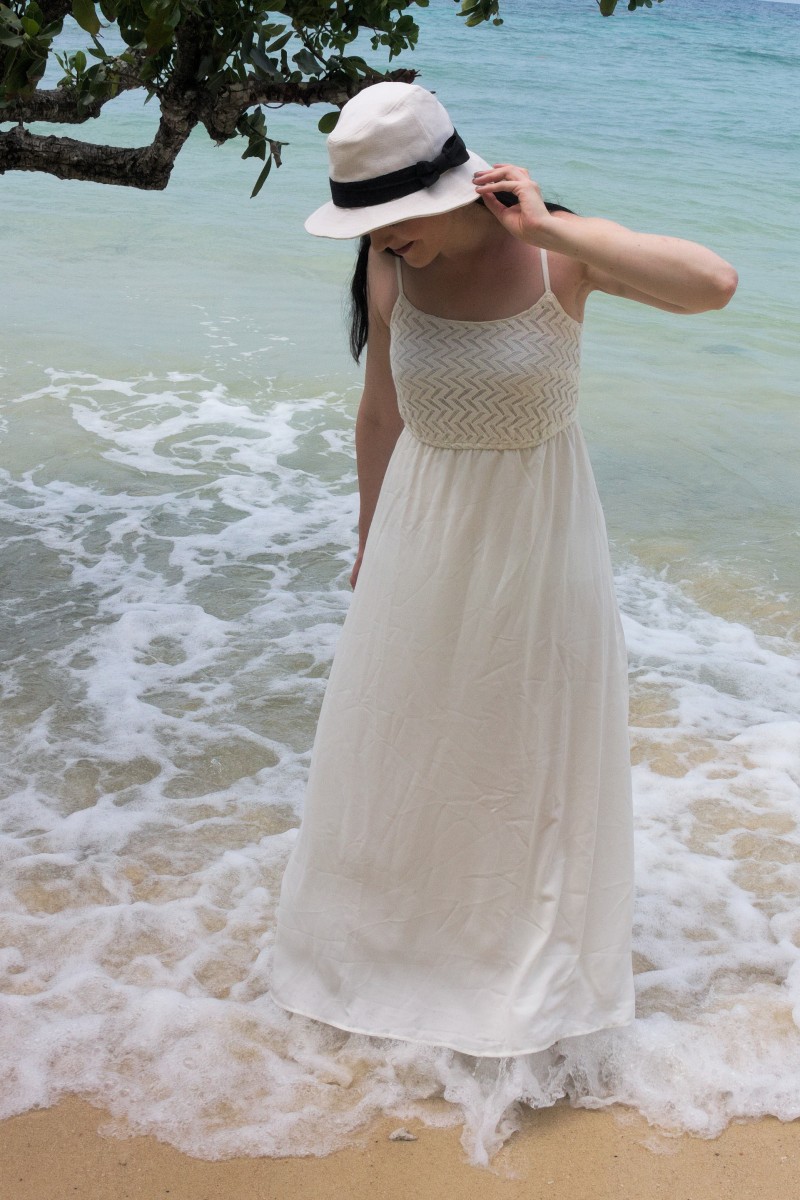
10 17
79 61
84 13
327 124
280 42
307 62
262 178
360 63
158 35
267 66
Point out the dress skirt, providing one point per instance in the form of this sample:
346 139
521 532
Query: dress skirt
463 875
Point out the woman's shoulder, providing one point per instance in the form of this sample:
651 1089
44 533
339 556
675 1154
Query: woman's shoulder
567 275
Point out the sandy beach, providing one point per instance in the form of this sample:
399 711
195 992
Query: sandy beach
560 1152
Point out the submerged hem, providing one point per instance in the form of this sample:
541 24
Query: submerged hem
403 1037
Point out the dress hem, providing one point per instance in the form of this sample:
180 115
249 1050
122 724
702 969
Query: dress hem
402 1037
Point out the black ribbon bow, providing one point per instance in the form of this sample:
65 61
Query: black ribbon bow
395 185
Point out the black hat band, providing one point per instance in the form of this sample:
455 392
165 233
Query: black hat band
364 192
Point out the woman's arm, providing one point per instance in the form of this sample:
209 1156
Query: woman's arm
673 273
378 423
669 272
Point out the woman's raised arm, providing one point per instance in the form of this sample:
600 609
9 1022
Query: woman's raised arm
668 272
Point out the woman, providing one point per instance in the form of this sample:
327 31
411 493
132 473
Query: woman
463 875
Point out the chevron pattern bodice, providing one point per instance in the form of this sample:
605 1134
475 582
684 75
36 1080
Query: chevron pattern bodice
493 385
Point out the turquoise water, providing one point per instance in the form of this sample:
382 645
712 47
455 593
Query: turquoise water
178 509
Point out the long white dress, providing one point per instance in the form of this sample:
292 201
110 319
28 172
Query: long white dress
463 874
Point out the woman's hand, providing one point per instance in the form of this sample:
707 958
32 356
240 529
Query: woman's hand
356 569
527 218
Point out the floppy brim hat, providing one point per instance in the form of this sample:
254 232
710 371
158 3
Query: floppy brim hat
394 154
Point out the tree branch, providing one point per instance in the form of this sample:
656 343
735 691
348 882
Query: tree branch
220 113
146 167
60 104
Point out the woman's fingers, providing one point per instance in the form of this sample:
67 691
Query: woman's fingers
502 185
500 168
494 205
503 177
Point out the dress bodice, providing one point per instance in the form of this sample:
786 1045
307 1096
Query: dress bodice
504 384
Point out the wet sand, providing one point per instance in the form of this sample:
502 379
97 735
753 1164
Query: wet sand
561 1152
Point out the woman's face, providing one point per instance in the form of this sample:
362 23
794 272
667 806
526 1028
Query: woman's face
417 240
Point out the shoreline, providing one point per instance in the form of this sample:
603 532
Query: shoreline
560 1152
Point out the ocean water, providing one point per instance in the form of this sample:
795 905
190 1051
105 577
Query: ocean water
177 511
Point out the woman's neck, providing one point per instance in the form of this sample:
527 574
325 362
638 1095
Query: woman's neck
473 231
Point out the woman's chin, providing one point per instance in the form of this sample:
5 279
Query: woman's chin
415 256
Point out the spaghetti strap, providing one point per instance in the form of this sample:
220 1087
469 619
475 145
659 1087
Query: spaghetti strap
545 271
398 265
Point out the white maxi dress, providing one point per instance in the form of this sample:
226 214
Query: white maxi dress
463 873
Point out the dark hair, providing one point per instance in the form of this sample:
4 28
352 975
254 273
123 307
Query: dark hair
358 312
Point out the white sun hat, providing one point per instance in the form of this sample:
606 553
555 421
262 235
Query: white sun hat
394 154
